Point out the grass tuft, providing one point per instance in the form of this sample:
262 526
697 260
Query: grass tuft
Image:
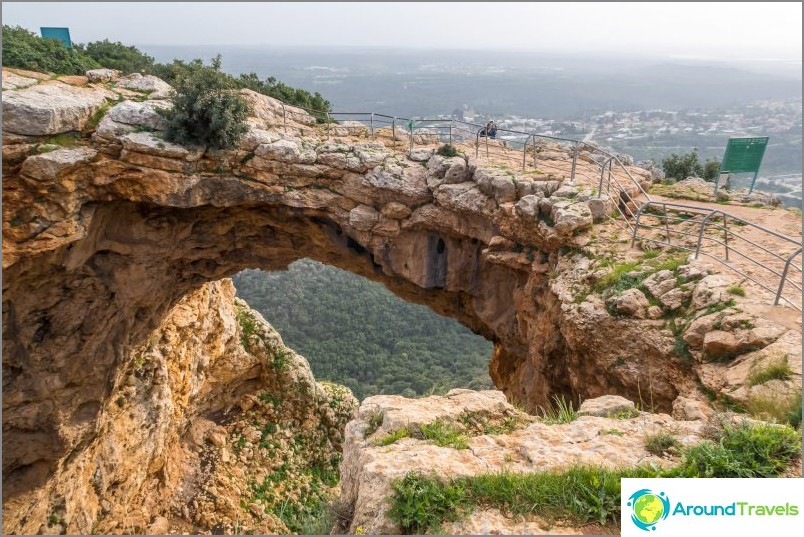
736 290
561 411
661 444
776 370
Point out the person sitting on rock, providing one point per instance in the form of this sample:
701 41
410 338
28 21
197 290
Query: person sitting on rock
492 129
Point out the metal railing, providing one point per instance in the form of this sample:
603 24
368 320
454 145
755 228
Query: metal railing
615 182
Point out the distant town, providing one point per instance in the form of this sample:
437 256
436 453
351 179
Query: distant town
654 134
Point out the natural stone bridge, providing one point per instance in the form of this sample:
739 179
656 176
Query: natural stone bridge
101 239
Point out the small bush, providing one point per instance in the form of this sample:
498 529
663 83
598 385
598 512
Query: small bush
127 59
207 110
745 450
661 443
447 150
736 290
373 422
26 50
420 504
776 370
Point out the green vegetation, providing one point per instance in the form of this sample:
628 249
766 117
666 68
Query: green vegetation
248 326
392 437
561 411
124 58
207 110
374 422
356 333
618 279
776 408
588 494
775 370
444 435
26 50
680 167
612 432
736 290
448 150
661 443
743 450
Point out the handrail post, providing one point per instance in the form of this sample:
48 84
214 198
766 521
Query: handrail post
666 224
284 118
784 276
328 123
525 152
600 184
574 162
410 128
372 125
636 224
477 144
487 145
700 234
451 123
393 132
726 234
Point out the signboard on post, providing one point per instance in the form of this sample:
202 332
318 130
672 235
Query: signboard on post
62 34
743 155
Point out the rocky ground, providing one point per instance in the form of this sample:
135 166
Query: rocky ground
140 397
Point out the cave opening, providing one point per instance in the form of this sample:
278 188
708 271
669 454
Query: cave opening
355 332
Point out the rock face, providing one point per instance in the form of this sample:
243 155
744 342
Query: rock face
102 240
50 108
165 439
526 445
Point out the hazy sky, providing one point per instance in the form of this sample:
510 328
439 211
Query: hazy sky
703 30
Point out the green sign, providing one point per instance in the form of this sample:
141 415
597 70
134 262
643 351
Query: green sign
743 155
62 34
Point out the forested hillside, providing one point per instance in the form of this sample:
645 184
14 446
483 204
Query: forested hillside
355 332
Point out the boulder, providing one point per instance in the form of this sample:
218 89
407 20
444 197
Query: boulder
363 217
287 151
143 83
687 409
110 130
660 282
419 154
718 344
674 298
102 75
600 208
632 302
49 108
570 216
12 81
528 207
608 406
396 210
139 113
709 291
49 166
150 144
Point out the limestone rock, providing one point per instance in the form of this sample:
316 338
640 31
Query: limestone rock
396 210
143 83
570 216
139 113
420 154
600 208
49 108
12 81
709 291
632 302
718 344
363 217
110 130
674 298
608 406
286 151
528 207
49 166
660 283
149 144
102 75
687 409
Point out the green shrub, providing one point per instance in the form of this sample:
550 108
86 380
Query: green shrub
711 169
682 166
25 50
744 450
736 290
124 58
207 110
775 370
661 443
391 437
419 504
447 150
